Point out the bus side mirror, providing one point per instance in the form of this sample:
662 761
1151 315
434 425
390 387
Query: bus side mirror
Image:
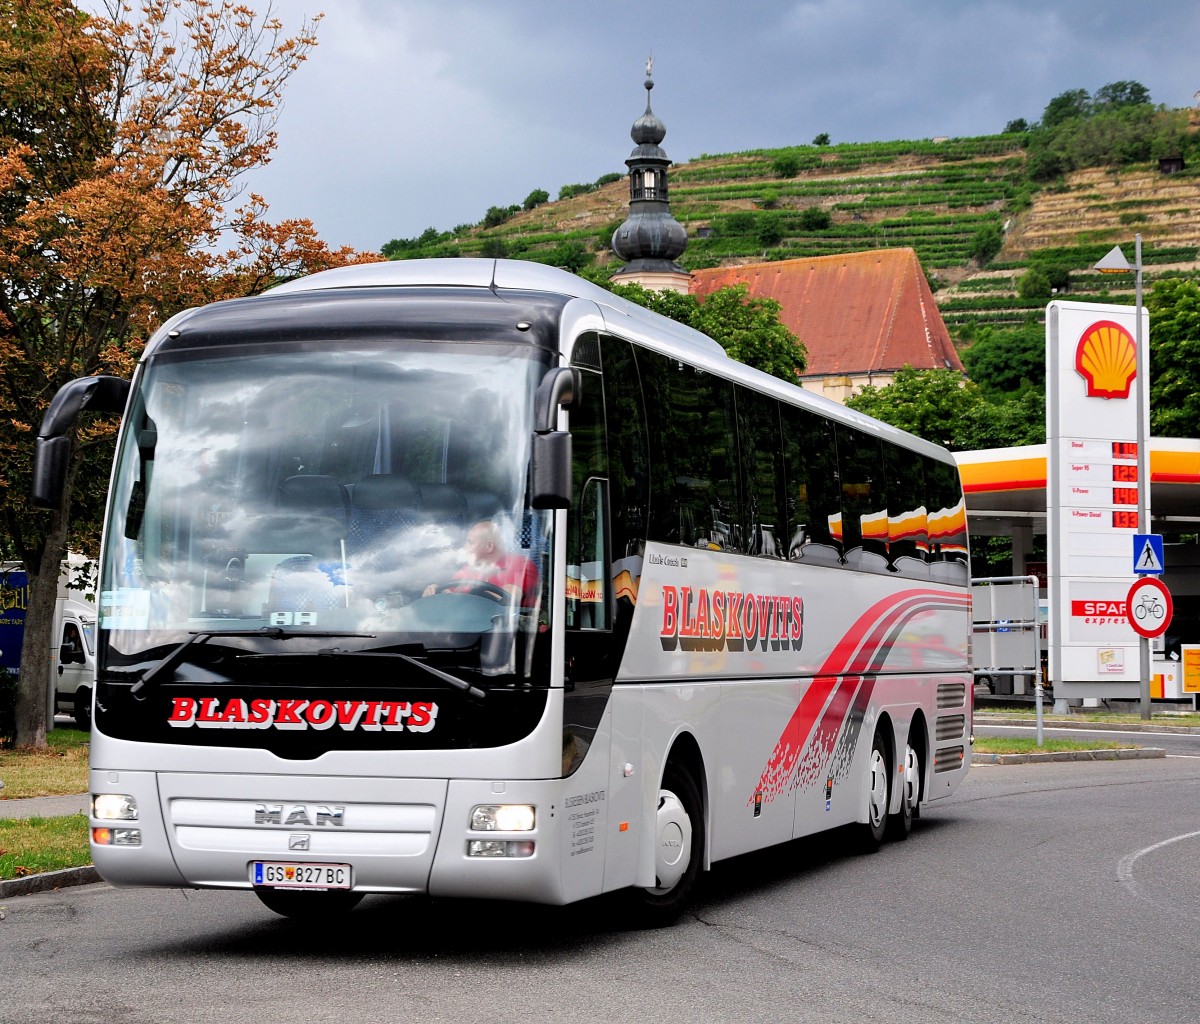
550 458
550 471
53 446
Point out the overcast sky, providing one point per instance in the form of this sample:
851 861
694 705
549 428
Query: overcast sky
418 113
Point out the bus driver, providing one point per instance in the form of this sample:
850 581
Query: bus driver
488 562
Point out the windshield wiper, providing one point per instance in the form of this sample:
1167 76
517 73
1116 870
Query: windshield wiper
337 652
203 636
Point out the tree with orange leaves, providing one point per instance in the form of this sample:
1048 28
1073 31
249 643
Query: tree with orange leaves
123 139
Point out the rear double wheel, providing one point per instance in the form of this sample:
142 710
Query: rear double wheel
900 823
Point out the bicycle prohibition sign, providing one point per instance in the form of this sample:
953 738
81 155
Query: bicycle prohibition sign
1149 607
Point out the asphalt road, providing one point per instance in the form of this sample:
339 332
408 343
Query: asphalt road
1038 893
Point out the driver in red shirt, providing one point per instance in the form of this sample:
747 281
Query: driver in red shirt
488 562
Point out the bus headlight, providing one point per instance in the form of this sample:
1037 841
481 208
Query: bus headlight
503 818
114 807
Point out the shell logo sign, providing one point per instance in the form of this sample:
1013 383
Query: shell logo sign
1106 358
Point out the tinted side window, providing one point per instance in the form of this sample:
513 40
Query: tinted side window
908 527
812 502
864 501
947 522
763 491
689 413
629 474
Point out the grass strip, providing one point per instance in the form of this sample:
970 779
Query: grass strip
32 846
1028 745
61 769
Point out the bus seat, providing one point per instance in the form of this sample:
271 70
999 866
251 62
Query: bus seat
443 503
382 505
316 494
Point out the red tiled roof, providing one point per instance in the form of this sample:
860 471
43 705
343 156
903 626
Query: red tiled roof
863 312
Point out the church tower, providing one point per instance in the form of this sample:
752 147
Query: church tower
650 240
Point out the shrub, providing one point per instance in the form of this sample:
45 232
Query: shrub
535 199
813 218
786 166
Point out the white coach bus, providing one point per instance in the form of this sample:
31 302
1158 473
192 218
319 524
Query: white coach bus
469 578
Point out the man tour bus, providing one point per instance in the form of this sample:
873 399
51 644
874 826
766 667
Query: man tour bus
729 613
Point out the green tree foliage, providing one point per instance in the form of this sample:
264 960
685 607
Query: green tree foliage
748 329
569 191
608 179
1034 284
769 233
1116 126
1016 126
813 218
1174 305
986 242
1121 94
572 256
929 403
497 215
1004 360
1065 106
786 165
535 199
821 140
938 406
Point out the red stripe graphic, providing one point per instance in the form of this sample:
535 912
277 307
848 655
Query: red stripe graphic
853 656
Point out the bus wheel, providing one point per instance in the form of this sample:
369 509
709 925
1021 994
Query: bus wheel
679 850
878 782
83 708
900 823
307 904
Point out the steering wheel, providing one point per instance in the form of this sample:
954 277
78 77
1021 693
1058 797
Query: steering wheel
480 588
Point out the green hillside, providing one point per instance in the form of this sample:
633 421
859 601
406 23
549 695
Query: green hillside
981 213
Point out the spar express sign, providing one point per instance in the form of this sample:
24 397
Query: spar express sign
301 714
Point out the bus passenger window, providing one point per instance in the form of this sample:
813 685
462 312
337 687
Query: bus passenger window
762 468
814 505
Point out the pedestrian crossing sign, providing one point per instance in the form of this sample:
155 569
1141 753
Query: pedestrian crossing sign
1148 554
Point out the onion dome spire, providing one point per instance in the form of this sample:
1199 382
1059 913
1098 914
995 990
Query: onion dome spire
651 239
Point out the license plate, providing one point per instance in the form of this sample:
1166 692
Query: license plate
286 874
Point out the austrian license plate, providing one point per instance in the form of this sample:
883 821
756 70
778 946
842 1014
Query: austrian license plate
286 874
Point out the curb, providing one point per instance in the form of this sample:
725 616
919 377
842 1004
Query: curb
48 881
1117 754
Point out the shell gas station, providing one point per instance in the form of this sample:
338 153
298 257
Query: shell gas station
1072 509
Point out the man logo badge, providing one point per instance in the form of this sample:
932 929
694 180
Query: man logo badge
299 842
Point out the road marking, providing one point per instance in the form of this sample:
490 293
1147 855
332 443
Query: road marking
1125 867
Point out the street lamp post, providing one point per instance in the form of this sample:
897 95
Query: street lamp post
1116 263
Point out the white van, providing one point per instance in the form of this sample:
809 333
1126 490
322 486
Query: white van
74 657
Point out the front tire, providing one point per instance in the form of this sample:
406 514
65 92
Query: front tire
83 708
679 850
308 904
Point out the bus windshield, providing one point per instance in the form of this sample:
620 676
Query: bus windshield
376 494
